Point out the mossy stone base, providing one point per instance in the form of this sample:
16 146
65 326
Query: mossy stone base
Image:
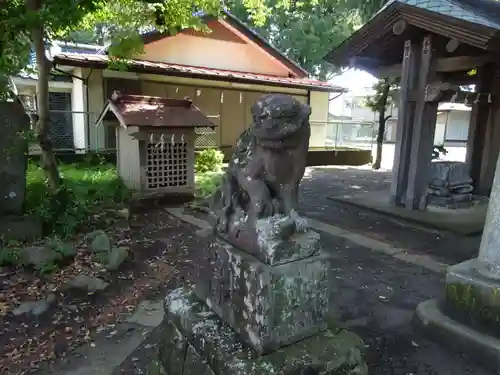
454 334
268 306
468 318
195 341
473 298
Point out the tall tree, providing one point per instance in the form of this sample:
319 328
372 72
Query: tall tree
304 30
379 103
368 8
27 25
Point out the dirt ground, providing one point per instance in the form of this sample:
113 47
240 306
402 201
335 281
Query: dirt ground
29 342
376 295
323 182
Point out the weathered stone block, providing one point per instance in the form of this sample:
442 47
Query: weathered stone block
268 306
172 349
213 343
195 364
472 297
14 122
20 228
449 173
274 240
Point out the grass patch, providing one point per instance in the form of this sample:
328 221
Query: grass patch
86 188
207 183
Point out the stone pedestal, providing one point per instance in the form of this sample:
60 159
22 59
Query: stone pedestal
245 316
468 317
195 341
268 306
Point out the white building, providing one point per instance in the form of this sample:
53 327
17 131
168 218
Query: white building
350 114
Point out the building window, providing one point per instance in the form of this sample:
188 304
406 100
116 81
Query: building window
457 126
61 120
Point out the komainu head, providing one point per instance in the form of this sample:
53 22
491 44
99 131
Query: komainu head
278 117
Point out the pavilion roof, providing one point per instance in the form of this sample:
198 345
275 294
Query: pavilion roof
474 23
481 12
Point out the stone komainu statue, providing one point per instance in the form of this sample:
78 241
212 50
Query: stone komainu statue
266 167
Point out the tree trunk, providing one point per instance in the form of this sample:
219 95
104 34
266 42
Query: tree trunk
48 159
380 140
382 120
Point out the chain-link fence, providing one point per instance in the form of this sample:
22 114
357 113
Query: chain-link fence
343 134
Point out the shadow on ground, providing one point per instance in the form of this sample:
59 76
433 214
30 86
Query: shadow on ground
322 182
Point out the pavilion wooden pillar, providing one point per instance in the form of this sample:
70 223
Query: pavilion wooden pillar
483 142
424 126
409 77
417 122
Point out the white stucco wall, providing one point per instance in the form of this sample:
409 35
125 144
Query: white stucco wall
319 117
128 162
94 106
78 100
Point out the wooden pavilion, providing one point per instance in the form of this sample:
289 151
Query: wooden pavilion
434 46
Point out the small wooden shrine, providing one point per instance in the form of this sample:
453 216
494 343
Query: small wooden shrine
155 141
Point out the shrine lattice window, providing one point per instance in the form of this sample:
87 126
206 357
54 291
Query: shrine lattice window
167 164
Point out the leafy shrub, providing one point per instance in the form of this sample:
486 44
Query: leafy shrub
207 182
10 256
85 188
209 160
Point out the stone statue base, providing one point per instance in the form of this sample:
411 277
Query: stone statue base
274 240
195 341
455 201
245 316
268 306
468 317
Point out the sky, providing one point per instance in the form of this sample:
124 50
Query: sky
354 80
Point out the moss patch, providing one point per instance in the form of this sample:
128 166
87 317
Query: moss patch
477 307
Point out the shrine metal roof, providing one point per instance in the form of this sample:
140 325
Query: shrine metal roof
151 111
143 66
